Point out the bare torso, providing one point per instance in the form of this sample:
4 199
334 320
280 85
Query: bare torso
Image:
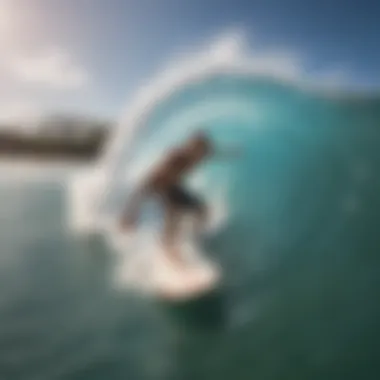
177 164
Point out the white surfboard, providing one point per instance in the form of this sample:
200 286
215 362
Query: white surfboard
193 276
144 264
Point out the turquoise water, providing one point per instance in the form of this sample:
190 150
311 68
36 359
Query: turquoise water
300 252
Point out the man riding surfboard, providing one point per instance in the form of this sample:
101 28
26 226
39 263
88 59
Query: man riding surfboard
166 183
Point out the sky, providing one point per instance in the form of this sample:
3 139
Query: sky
91 56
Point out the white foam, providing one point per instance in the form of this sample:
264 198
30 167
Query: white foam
83 200
143 264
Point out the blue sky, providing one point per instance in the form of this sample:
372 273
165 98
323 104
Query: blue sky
92 55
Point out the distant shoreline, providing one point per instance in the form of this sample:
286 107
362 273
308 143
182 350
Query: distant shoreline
47 148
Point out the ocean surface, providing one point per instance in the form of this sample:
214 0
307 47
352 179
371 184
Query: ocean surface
299 246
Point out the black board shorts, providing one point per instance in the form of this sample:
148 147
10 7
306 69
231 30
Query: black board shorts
180 197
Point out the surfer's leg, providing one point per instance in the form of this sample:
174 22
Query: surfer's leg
185 201
201 215
171 232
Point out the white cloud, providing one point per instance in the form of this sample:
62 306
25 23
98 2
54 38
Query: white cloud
23 113
34 63
25 76
5 16
52 67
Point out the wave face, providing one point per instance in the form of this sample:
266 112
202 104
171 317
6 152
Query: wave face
291 145
300 176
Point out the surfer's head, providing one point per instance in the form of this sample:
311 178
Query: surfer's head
199 144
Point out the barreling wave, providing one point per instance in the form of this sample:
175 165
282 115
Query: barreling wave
289 136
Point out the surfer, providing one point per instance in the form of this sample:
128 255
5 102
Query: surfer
166 183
